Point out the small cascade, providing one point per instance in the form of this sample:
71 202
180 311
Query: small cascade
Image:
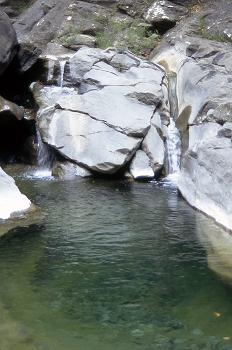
62 65
173 143
44 158
173 150
51 66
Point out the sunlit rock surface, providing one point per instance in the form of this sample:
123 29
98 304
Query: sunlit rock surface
140 167
11 199
203 92
104 109
164 13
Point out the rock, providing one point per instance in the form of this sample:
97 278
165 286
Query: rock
8 40
11 199
203 92
225 131
56 21
26 57
204 97
98 23
99 123
69 171
202 131
74 42
153 145
140 166
164 14
214 27
205 178
88 142
10 108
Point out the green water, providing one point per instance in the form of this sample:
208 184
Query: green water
117 265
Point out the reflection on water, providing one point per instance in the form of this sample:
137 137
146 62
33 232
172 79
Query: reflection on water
117 266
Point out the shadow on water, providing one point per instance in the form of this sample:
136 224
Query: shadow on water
117 265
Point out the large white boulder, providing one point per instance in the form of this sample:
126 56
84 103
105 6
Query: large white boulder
101 121
11 199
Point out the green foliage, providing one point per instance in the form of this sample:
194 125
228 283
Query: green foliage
69 33
112 30
103 41
23 5
200 27
128 34
215 36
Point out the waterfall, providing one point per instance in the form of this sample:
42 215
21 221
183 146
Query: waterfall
44 157
173 143
62 65
51 65
173 150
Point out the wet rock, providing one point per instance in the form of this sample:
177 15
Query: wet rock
69 171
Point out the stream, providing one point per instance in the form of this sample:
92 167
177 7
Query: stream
117 265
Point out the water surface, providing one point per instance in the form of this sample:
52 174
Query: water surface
117 265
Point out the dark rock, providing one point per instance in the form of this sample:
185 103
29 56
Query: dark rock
8 40
26 57
225 131
10 108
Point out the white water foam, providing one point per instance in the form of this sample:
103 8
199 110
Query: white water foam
62 65
39 174
173 152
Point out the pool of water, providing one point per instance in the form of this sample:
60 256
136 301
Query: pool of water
117 265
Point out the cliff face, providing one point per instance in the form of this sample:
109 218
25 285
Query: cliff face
198 50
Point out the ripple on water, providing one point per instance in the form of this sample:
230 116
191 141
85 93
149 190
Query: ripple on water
117 265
